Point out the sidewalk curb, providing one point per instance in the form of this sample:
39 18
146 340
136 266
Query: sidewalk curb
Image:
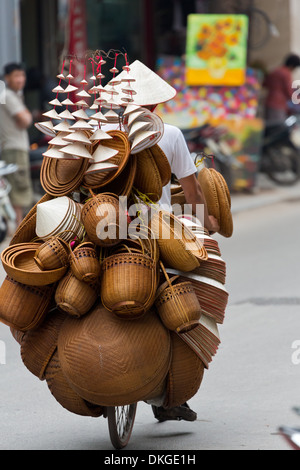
241 203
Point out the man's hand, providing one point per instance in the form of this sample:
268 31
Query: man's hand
213 225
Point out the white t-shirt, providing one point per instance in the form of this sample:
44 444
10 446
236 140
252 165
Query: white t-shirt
174 146
11 137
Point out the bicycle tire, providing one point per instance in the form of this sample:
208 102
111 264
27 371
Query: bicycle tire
120 424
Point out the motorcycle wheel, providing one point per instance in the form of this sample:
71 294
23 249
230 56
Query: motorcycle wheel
282 165
3 228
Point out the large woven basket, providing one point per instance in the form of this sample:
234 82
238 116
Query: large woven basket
38 345
99 214
84 262
185 373
64 394
112 362
52 254
128 283
23 307
178 305
75 297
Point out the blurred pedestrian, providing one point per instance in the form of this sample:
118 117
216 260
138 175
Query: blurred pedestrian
15 119
280 90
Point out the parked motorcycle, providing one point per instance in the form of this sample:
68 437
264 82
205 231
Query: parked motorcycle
207 140
280 158
7 212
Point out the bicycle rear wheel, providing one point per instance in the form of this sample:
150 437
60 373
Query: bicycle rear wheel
120 424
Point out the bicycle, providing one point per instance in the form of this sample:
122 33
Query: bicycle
120 423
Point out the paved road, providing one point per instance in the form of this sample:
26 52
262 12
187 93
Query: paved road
250 386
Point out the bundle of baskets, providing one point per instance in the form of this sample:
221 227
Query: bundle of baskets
105 318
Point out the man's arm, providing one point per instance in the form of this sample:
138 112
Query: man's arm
193 196
23 119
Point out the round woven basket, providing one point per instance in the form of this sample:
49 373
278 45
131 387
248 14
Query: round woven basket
24 307
111 362
84 262
64 394
18 262
38 345
75 297
178 305
185 373
123 183
128 283
52 254
100 214
179 248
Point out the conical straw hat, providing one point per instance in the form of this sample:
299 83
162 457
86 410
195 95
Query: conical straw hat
81 124
77 149
135 115
99 117
59 140
80 114
77 136
52 114
55 102
63 126
46 128
130 108
144 139
54 152
102 153
66 115
138 126
150 88
99 134
50 214
100 167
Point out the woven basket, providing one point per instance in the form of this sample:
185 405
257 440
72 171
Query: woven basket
111 362
18 262
84 262
101 211
128 283
75 297
23 307
60 177
52 254
38 345
64 394
178 305
179 247
147 179
185 373
218 199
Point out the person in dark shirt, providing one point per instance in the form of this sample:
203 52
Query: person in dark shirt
279 89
